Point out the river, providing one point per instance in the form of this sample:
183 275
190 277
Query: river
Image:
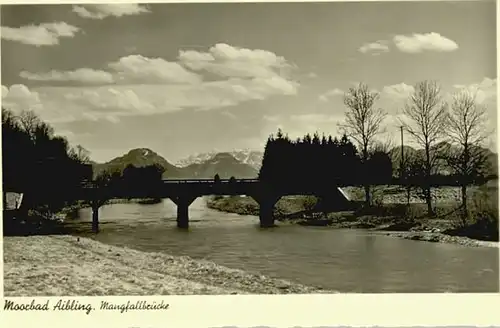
336 259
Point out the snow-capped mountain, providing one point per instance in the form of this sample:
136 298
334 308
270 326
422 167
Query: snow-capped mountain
245 156
205 166
223 164
195 159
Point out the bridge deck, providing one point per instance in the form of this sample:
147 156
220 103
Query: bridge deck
175 188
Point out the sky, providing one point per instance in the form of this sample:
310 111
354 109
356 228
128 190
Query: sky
187 78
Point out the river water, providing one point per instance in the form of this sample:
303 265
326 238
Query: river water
343 260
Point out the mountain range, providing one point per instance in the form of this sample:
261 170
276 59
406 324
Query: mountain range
245 156
442 166
225 164
238 163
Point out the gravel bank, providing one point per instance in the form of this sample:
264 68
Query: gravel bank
70 266
438 237
429 230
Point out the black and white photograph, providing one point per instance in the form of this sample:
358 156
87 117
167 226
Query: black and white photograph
249 148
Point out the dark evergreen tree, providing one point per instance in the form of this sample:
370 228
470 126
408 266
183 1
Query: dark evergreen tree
39 164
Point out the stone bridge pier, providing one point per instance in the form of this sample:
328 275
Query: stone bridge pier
266 201
183 202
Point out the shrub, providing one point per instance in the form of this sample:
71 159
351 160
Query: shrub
481 221
309 202
377 196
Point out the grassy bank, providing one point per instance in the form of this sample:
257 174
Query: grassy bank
71 266
390 214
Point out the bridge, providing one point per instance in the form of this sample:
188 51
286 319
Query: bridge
183 192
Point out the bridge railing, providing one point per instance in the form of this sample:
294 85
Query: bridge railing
208 181
436 182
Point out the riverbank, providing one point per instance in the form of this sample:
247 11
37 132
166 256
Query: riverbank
390 219
79 205
76 266
40 222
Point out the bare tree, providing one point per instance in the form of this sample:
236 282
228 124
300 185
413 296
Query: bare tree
362 122
384 146
8 118
29 122
466 129
426 117
80 154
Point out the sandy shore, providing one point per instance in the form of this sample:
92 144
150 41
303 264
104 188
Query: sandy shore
71 266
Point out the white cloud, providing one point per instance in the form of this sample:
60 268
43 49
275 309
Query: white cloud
401 90
417 43
137 68
101 11
137 85
19 97
126 70
228 61
45 34
251 74
330 94
84 75
312 75
66 104
485 91
5 91
273 85
114 100
375 48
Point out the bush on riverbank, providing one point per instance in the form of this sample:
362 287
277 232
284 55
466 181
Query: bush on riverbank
482 222
31 223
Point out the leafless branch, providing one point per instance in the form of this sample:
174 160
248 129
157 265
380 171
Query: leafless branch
363 121
427 115
466 129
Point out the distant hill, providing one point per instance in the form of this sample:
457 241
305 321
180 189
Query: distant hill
138 157
223 164
395 154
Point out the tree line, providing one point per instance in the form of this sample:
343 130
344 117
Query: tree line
39 164
358 158
130 180
49 172
320 162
